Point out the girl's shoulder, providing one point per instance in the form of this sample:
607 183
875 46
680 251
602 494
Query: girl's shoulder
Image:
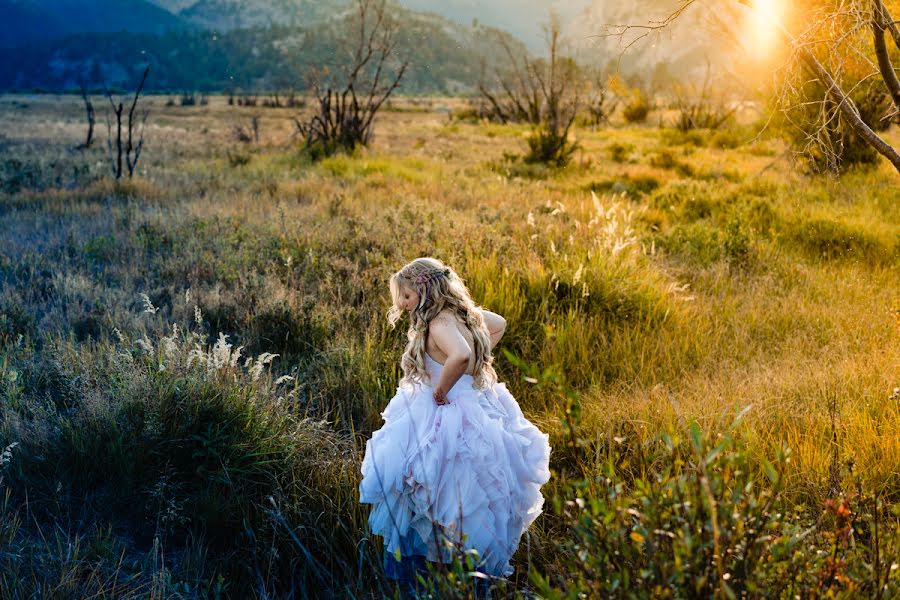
445 318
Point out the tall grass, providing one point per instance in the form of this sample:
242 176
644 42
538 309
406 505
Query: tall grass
149 461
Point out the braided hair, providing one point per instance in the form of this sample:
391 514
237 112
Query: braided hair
439 288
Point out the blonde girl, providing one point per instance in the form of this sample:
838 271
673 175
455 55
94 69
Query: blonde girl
455 466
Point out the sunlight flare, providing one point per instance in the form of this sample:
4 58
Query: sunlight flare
762 24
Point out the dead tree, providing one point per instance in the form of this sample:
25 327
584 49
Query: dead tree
700 107
542 92
819 49
247 134
600 103
129 148
89 108
347 104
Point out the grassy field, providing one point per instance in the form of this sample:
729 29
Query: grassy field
657 287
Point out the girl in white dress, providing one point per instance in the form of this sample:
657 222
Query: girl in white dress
456 466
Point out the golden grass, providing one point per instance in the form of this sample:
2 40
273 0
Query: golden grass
653 334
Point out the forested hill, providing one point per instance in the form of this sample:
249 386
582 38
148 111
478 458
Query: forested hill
444 57
25 22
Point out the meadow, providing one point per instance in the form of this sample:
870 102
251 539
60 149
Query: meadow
192 360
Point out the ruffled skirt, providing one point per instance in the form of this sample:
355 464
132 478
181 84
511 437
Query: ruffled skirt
463 476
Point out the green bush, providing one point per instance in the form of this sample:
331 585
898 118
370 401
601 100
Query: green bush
699 241
550 147
690 514
633 187
832 240
188 442
620 153
637 108
727 139
821 136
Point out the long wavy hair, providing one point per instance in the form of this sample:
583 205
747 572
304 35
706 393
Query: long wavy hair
439 288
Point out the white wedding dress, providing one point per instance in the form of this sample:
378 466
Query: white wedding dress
466 474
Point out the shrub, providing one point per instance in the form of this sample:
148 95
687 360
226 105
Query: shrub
550 146
637 108
819 134
196 443
698 241
831 240
727 139
704 518
632 187
620 153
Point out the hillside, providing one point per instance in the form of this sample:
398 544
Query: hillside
227 15
33 22
445 57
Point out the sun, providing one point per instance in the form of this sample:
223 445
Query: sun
764 19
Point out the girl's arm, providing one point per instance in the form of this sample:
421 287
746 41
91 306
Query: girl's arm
442 329
496 326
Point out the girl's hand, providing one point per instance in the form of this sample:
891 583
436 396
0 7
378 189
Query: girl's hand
440 396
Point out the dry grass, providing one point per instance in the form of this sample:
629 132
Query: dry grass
682 293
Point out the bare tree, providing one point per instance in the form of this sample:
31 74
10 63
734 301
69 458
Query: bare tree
348 102
600 102
542 92
699 107
835 31
128 147
89 109
247 134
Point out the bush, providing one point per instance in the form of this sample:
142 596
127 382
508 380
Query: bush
633 187
637 108
197 443
620 153
831 240
706 519
727 139
820 135
550 147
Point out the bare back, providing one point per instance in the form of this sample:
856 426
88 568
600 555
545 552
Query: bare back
496 326
440 356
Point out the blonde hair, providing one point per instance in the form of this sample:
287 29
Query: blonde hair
439 288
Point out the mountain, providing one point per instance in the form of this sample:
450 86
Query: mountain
25 22
227 15
444 57
681 50
33 21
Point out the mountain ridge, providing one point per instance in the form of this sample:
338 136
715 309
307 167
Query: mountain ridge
29 21
447 57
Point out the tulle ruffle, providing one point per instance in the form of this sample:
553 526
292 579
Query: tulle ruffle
464 475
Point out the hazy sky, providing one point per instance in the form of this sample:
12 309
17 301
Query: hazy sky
523 18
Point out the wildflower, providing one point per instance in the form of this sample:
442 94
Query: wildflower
148 305
6 456
145 344
578 274
261 362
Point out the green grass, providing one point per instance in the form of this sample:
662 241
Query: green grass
661 279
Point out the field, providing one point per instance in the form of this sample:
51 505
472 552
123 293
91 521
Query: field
657 288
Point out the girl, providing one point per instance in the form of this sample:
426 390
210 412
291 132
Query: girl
456 466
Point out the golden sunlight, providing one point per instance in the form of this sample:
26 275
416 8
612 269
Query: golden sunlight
762 25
